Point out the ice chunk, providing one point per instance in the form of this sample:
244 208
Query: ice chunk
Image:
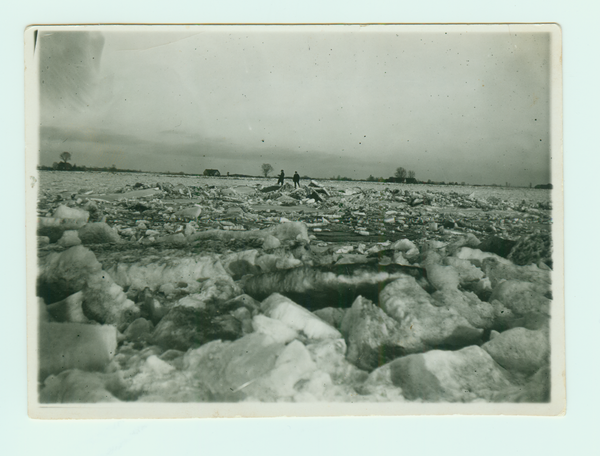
520 350
479 314
76 269
244 190
287 263
330 357
186 327
267 263
189 229
351 259
320 387
98 233
240 263
442 277
139 331
65 273
69 239
331 315
536 389
42 241
293 364
476 256
467 272
446 279
65 346
287 200
528 305
533 248
290 231
522 297
150 306
296 317
42 308
159 366
317 387
146 377
403 245
105 302
380 384
194 300
423 325
75 386
149 273
498 271
68 310
295 231
228 368
373 337
455 376
279 331
219 289
470 240
173 239
399 258
53 228
242 300
271 242
189 213
65 212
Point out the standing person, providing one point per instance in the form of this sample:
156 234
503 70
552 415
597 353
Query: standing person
296 179
281 177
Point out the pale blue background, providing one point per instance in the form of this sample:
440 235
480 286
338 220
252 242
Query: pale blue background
576 433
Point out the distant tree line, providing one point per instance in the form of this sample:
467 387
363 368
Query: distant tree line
400 176
341 178
74 167
64 165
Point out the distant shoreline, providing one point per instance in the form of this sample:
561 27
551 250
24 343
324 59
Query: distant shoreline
304 178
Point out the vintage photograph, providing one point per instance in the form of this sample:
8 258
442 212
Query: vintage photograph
276 220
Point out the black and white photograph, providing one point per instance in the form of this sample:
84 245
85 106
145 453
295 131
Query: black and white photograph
294 220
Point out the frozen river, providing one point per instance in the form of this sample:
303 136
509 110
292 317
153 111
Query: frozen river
105 182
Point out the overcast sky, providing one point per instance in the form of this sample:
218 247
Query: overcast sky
353 101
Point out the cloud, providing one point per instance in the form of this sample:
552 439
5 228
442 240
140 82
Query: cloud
450 107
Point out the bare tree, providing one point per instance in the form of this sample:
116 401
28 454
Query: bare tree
411 174
65 156
266 169
400 173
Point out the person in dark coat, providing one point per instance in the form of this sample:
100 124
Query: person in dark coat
296 179
281 177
